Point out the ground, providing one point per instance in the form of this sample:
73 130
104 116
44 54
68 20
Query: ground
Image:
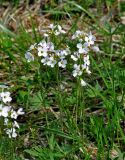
63 120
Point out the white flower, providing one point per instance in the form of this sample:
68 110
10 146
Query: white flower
6 120
77 70
79 45
82 48
88 71
15 124
95 48
8 114
29 56
66 52
14 114
85 67
44 47
90 39
51 62
51 26
86 60
20 111
4 111
86 64
11 133
45 35
45 60
59 30
60 54
77 34
83 83
74 58
32 47
5 97
40 51
50 46
62 63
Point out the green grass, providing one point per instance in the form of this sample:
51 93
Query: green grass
76 123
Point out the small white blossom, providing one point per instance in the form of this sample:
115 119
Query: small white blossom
32 47
29 56
45 47
51 26
82 48
83 83
6 120
95 48
86 60
79 45
45 60
66 52
77 70
88 71
60 54
86 64
11 133
42 48
50 46
62 63
20 111
5 97
90 39
45 35
42 52
4 111
15 124
77 34
14 114
59 30
51 62
74 57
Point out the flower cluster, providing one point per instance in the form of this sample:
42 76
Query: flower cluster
85 43
77 57
50 56
57 29
9 115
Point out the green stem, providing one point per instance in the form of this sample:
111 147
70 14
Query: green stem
60 103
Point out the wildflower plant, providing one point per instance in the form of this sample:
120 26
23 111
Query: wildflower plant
54 51
8 115
60 50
